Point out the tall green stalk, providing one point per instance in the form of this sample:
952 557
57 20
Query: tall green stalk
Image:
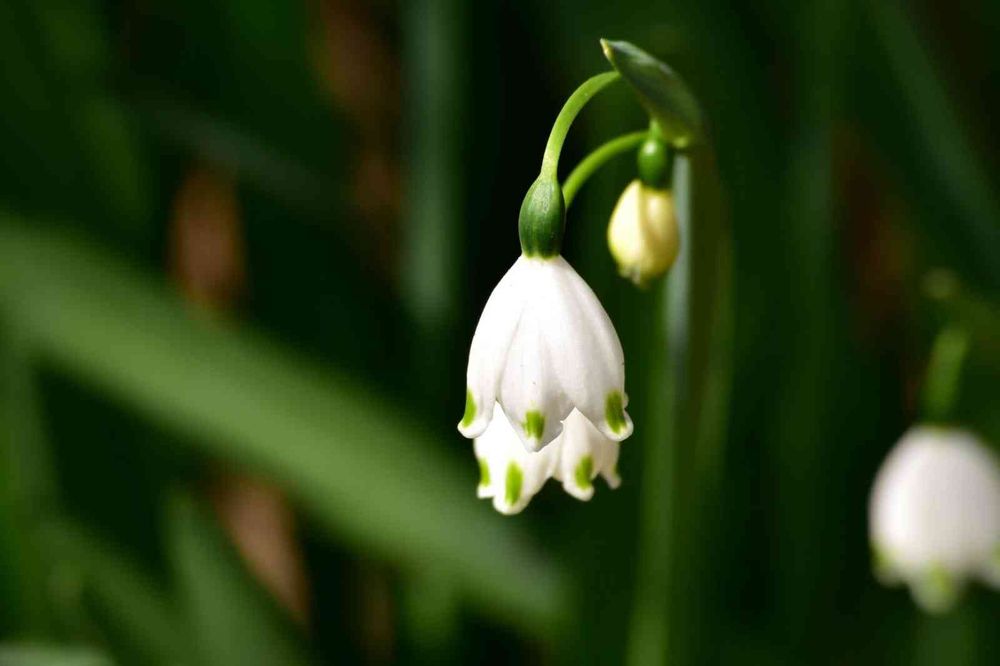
683 444
433 266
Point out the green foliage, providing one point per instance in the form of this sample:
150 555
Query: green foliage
666 97
230 621
234 395
36 655
831 156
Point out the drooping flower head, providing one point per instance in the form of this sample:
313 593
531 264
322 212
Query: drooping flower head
544 344
934 514
545 358
511 476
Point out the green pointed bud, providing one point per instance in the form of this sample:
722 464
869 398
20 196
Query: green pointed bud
654 162
666 97
543 218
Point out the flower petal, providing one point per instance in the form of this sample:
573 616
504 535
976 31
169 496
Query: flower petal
530 391
489 348
512 475
587 353
585 453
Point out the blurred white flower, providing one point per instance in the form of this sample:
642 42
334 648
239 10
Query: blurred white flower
512 476
643 236
544 346
934 515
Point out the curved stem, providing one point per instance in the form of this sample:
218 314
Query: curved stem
576 101
944 372
595 160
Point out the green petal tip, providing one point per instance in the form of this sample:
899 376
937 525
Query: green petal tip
534 424
513 483
470 410
584 472
614 412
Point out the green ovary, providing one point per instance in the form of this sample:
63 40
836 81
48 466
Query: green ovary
614 412
470 409
584 472
513 483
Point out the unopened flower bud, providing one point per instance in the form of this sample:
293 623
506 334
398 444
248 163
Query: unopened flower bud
643 236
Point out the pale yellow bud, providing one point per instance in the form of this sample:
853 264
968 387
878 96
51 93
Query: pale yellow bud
643 235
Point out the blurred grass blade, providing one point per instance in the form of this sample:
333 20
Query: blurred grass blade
954 172
28 490
812 364
250 156
683 458
665 96
433 264
232 620
132 606
434 238
43 655
369 472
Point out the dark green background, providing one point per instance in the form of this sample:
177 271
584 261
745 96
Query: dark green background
856 148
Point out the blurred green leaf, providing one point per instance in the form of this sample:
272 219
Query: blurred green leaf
945 174
118 166
41 655
28 492
804 424
666 97
369 472
434 228
231 619
247 154
131 605
77 58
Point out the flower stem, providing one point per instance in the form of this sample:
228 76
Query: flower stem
688 355
573 105
595 160
944 373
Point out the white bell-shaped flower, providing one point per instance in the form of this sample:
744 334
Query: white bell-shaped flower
544 346
511 476
934 514
643 235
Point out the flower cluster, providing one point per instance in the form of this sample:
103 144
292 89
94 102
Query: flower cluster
934 515
545 394
545 386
